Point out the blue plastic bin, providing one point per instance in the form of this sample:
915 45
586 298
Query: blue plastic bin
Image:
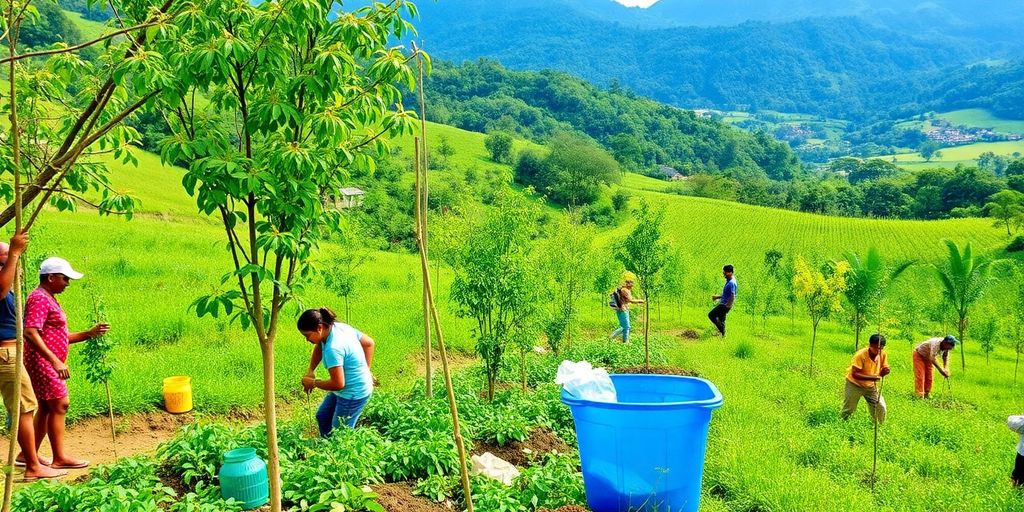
645 452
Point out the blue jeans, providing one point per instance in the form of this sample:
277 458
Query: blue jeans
336 411
623 329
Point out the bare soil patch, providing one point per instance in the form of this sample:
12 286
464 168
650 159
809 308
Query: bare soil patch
398 497
517 453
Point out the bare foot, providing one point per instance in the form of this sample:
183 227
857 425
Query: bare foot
43 472
69 463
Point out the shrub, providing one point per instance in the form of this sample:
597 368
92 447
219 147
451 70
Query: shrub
1016 245
743 351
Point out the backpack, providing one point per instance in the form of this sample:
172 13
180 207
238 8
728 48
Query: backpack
614 300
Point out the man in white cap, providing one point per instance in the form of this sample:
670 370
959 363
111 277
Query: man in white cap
9 368
46 353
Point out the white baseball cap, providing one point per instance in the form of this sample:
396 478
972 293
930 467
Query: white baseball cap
57 265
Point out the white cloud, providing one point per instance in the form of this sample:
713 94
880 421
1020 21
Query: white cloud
637 3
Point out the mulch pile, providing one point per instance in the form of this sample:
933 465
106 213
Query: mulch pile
657 370
567 508
690 334
541 441
398 497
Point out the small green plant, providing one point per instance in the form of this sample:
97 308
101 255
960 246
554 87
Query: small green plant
553 483
743 351
436 487
98 364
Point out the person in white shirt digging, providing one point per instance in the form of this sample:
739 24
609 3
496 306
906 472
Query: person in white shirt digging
1016 424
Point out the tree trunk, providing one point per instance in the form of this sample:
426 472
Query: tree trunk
856 327
814 338
270 412
110 409
647 331
962 331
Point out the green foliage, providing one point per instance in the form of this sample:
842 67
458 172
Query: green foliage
1007 207
1016 245
553 483
821 292
436 487
96 354
964 279
987 332
495 496
866 283
495 279
644 253
565 260
573 172
499 145
743 350
49 27
130 485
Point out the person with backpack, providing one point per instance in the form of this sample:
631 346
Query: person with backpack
620 300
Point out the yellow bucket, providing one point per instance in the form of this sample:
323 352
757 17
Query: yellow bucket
178 394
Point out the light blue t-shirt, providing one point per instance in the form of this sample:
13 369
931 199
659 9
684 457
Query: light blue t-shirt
728 292
342 348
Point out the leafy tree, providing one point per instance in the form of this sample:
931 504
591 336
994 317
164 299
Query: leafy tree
607 275
674 278
565 259
445 151
495 279
530 168
987 332
644 253
964 279
576 169
929 149
49 26
499 145
866 284
1007 207
354 249
315 95
821 293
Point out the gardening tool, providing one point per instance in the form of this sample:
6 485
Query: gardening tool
309 415
874 465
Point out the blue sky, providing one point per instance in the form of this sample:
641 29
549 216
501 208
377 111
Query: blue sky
637 3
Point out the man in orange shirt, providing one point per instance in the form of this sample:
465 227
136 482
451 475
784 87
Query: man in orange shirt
866 371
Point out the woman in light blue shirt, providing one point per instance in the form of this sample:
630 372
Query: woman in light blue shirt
347 355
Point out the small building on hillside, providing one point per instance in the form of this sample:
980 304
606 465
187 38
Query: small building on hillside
669 173
347 197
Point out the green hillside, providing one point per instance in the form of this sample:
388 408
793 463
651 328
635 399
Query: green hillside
982 118
967 154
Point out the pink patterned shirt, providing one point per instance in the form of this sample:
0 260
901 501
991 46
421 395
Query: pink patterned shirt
43 312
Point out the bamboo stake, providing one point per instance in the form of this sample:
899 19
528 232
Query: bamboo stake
452 406
14 27
420 235
874 465
421 212
110 409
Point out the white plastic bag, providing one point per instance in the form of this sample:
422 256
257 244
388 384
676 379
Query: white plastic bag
494 468
585 382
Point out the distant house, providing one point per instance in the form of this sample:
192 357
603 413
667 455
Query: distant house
669 173
348 197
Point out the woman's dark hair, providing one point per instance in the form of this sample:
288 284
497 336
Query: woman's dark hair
310 319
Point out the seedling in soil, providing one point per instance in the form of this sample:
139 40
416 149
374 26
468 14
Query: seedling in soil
98 367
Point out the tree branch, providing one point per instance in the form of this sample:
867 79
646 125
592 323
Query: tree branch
70 49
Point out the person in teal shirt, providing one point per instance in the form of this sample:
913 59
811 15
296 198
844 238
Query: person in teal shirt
346 354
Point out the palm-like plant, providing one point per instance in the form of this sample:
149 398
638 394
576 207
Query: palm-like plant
964 279
866 283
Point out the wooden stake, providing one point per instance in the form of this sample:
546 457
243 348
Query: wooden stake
110 409
14 27
422 220
421 235
452 406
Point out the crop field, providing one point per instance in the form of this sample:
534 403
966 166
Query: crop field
967 154
982 118
777 445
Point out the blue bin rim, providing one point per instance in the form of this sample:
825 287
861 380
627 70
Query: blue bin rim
711 403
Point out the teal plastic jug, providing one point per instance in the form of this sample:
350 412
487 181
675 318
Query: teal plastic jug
244 478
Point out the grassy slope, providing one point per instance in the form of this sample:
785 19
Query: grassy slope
776 445
951 156
90 29
982 118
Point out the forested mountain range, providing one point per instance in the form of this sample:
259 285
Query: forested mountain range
849 67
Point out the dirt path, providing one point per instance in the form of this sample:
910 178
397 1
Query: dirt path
139 433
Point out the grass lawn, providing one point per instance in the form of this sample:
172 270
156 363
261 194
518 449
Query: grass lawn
982 118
